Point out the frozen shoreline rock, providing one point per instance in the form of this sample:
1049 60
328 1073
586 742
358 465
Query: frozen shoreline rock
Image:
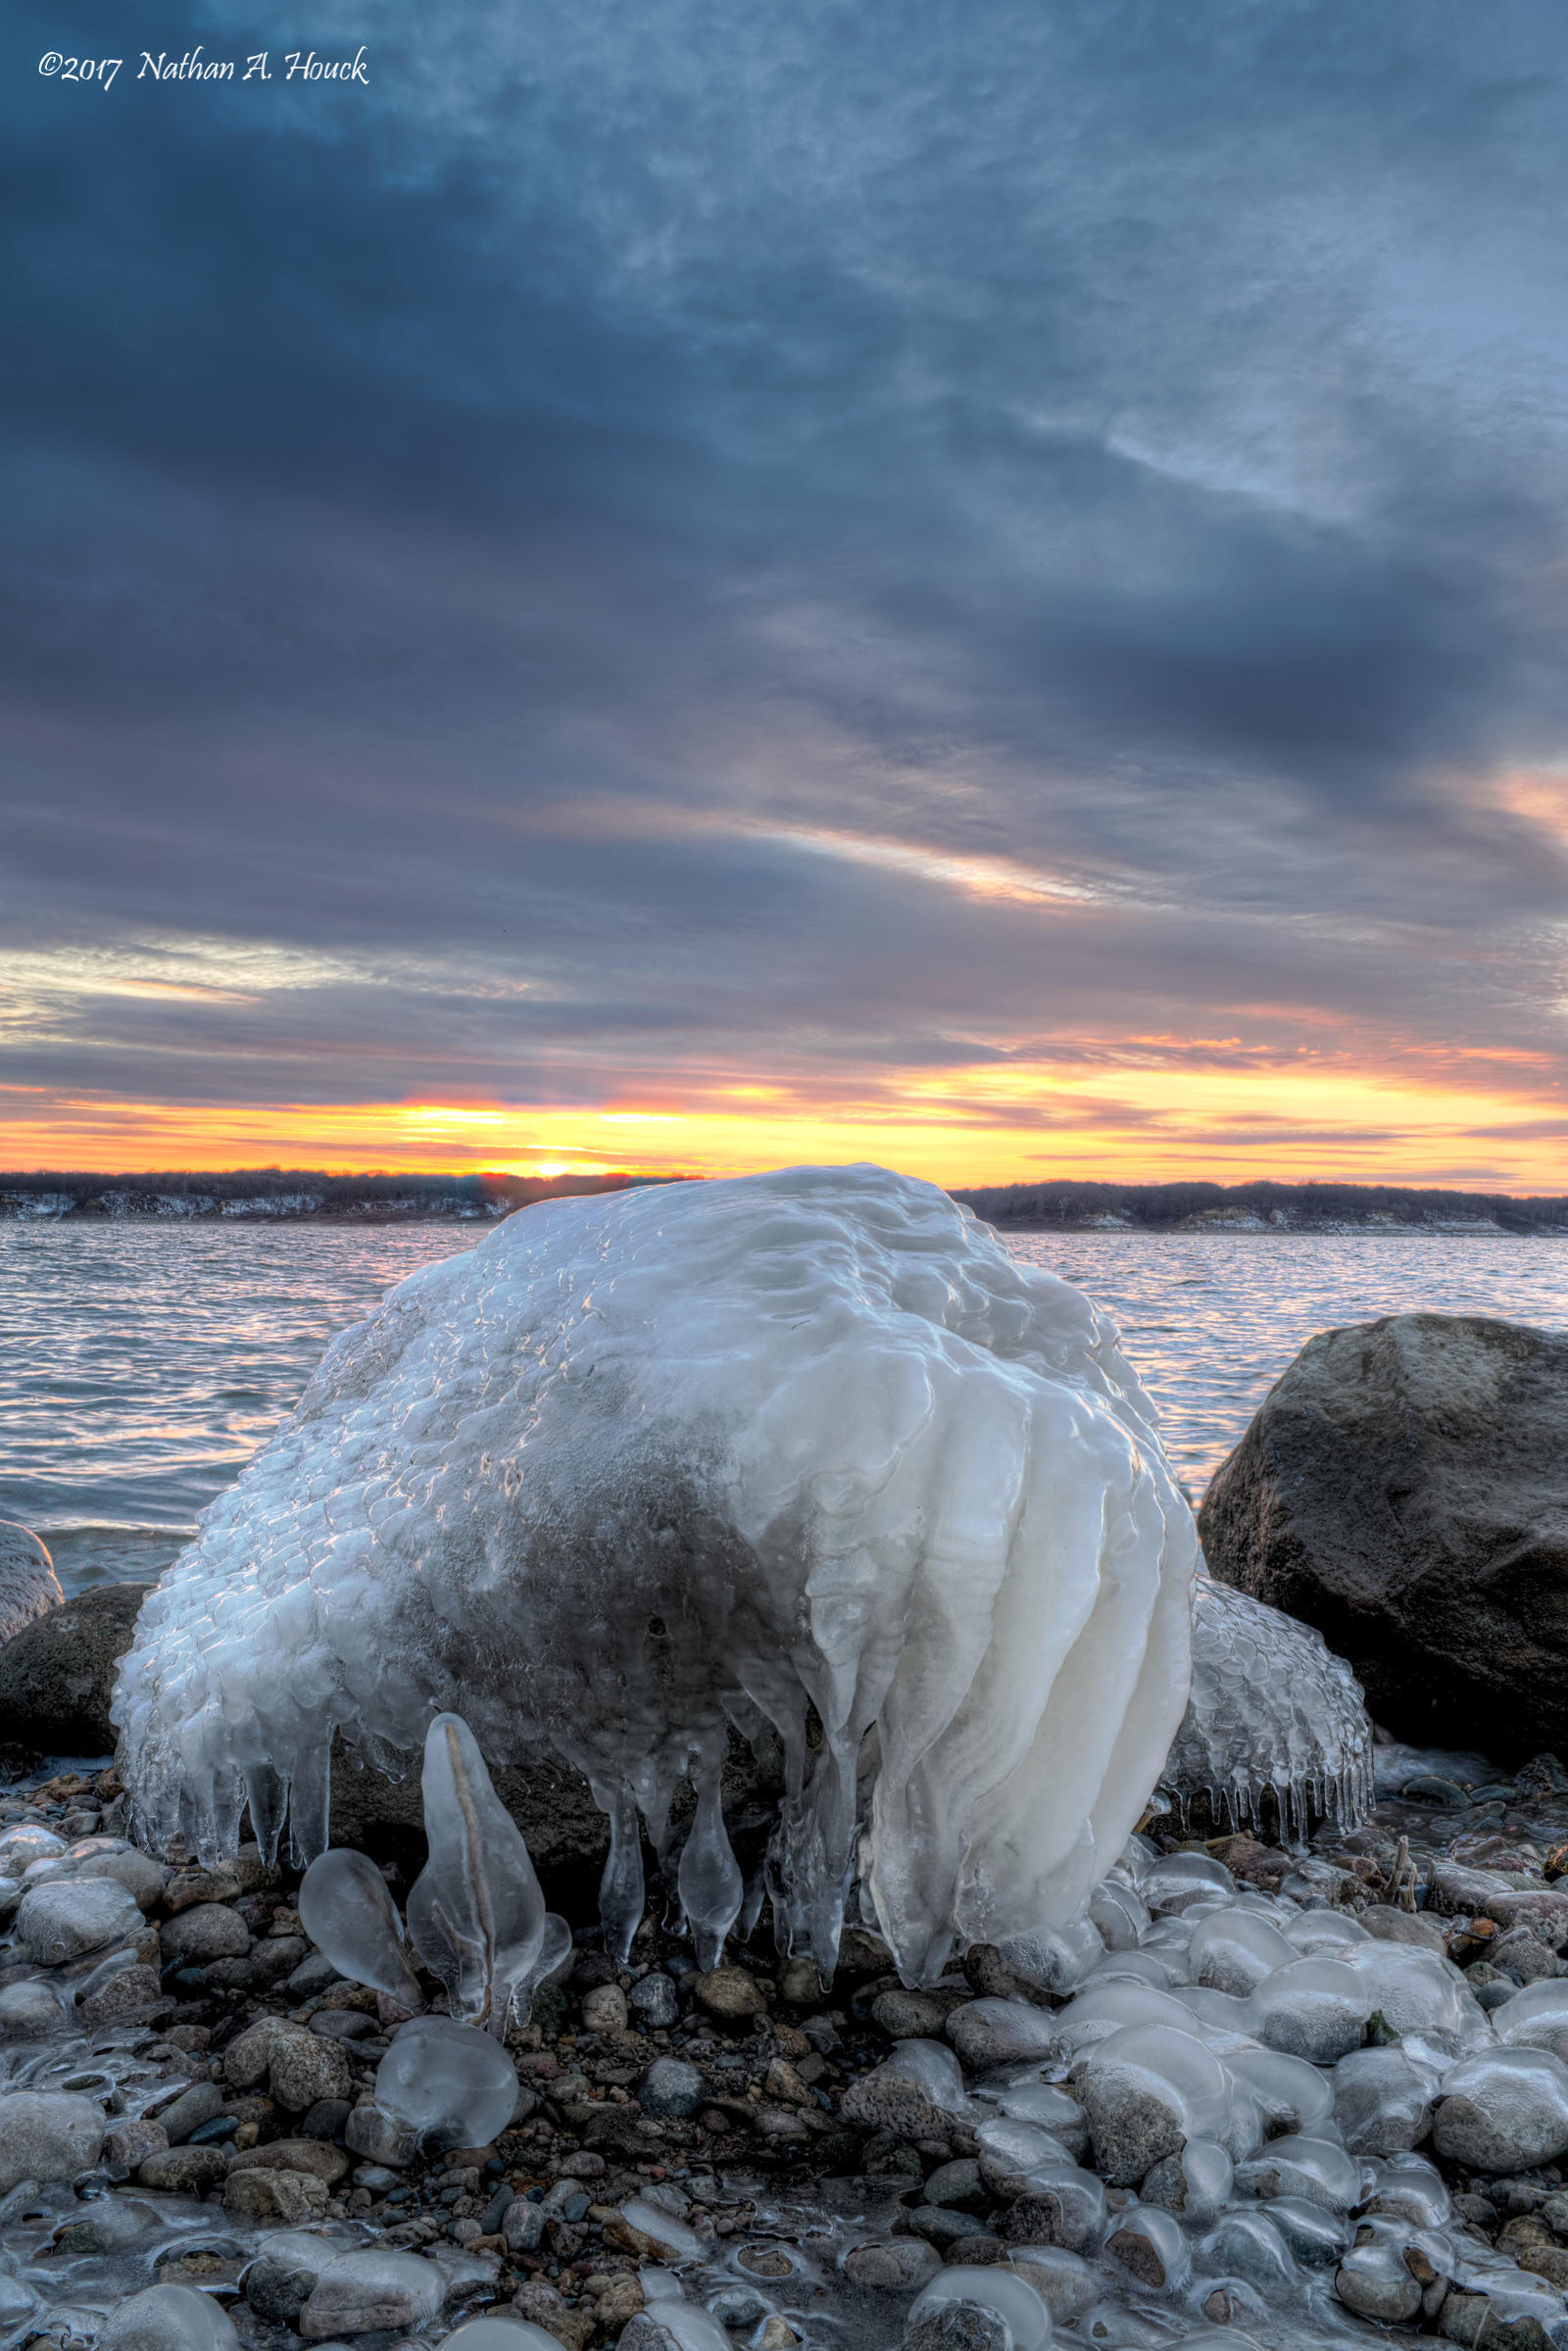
57 1673
29 1585
1402 1488
793 1447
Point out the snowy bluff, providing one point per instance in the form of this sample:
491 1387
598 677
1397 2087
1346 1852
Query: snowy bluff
807 1453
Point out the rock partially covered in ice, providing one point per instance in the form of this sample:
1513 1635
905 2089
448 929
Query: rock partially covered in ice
800 1448
169 2318
1275 1728
29 1585
47 2134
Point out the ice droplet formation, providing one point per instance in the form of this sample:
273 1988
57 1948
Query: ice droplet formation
893 1501
1273 1715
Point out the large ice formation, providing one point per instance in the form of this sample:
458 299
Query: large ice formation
1275 1721
807 1453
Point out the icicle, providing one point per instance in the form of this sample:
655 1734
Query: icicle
476 1912
268 1799
621 1895
708 1879
309 1804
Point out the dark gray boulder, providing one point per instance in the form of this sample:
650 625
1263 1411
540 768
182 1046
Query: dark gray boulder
29 1585
1405 1488
58 1673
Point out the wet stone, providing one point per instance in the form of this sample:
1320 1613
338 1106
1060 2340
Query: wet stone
207 1932
132 1990
362 2293
66 1920
958 2327
265 2197
183 2171
909 2015
654 2002
898 2266
199 2104
131 2143
47 2135
29 2010
671 2088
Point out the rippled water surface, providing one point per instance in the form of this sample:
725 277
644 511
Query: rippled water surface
140 1366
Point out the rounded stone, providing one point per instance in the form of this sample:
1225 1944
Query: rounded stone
1374 2283
47 2135
909 2015
654 2002
988 2033
184 2171
205 1930
604 2009
894 2268
70 1917
732 1994
302 2069
169 2318
187 2113
362 2293
671 2089
264 2197
28 2010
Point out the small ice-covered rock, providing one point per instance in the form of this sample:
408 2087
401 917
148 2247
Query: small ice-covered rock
29 2009
1150 2243
1063 2281
67 1921
1248 2245
168 2317
1316 2234
348 1913
1065 2206
1314 2008
1290 2094
1415 1990
29 1585
448 2082
282 2278
1536 2018
28 1842
47 2134
1004 2291
912 2092
1410 2188
671 2089
1048 2109
1314 2169
988 2033
1012 2153
1195 2182
1275 1721
861 1469
1234 1949
364 2293
1109 2006
1146 2090
1383 2100
1374 2282
1505 2110
1177 1881
500 2334
1118 1915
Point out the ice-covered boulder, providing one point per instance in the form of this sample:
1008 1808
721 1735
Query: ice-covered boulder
808 1452
1275 1731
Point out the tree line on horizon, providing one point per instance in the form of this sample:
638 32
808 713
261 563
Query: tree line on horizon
1070 1201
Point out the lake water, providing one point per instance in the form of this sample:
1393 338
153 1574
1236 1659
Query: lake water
140 1365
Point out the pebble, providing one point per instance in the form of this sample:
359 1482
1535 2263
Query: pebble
988 2033
280 2280
329 2164
64 1921
302 2067
123 1995
28 2010
1374 2283
604 2009
654 2002
265 2197
380 2137
901 2264
203 1932
671 2088
193 2107
131 2143
958 2327
730 1993
909 2015
47 2134
183 2171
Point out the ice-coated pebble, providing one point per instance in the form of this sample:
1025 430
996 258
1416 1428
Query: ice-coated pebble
1011 2153
654 2002
1003 2290
671 2088
1195 2182
957 2327
348 1913
892 2267
1148 2242
377 2137
1048 2109
1247 2246
1178 1879
1374 2283
1315 2234
1505 2110
360 2294
910 2094
1383 2100
1057 1959
1235 1949
1065 2206
47 2134
1289 2093
1415 1990
1146 2090
280 2280
988 2033
1410 2187
1318 1933
1536 2018
1063 2281
1104 2008
449 2080
1314 2008
1314 2169
60 1922
1120 1914
169 2318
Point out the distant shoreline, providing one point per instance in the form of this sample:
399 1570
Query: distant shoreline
303 1196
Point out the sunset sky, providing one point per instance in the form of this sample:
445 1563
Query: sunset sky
691 585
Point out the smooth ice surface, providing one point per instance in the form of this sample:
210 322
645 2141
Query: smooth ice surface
349 1915
1273 1713
643 1465
500 2334
444 2077
169 2318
